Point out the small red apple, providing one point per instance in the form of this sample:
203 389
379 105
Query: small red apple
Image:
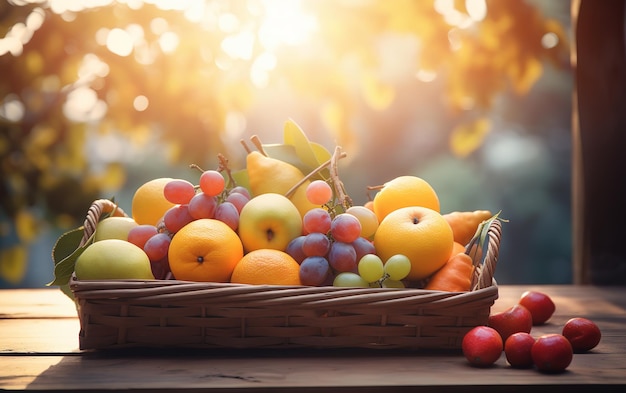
539 304
552 353
582 333
517 350
512 320
482 346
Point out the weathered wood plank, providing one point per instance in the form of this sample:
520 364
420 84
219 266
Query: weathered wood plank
288 370
40 352
41 302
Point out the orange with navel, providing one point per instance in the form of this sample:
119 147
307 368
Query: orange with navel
419 233
205 250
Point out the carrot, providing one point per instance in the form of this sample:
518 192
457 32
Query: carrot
454 276
464 224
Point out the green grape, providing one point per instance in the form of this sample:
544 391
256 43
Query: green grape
398 267
349 279
371 267
392 284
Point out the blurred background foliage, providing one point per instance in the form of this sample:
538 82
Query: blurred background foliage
474 96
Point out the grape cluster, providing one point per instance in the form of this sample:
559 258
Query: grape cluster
330 244
210 199
372 272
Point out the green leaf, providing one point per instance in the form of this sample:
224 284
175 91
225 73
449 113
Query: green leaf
288 154
66 244
322 154
64 264
294 136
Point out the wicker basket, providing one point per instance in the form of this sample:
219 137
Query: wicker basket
173 313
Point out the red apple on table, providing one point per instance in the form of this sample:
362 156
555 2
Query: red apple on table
512 320
539 304
517 349
482 346
552 353
582 333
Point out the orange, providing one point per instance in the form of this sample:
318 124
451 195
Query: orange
266 266
204 250
404 191
149 203
421 234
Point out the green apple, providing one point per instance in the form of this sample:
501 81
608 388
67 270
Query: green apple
113 259
114 228
269 221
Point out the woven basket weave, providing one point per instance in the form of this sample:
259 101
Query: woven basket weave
173 313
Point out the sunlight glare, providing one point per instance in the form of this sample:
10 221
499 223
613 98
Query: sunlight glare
239 46
476 9
12 108
83 105
140 103
119 42
285 22
228 23
549 40
169 41
92 67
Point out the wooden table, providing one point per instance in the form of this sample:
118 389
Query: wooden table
39 351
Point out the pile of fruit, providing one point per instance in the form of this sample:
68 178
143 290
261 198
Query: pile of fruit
509 332
284 219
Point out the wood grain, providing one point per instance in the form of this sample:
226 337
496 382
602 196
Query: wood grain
38 351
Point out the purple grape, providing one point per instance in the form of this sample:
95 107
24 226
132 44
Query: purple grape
314 271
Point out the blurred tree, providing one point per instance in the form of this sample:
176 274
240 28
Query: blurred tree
184 72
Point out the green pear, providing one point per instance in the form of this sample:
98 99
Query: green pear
113 259
114 228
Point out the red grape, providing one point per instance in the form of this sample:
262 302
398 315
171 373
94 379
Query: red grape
238 199
316 244
140 234
202 206
157 247
294 248
318 192
240 190
345 228
212 183
228 214
316 220
362 246
179 191
342 257
177 217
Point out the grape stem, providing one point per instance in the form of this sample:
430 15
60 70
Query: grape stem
223 167
332 162
342 196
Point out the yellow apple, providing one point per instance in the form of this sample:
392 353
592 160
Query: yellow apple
114 228
269 221
113 259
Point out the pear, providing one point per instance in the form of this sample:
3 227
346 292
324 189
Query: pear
270 175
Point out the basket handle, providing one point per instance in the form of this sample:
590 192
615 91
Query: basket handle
99 207
483 275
